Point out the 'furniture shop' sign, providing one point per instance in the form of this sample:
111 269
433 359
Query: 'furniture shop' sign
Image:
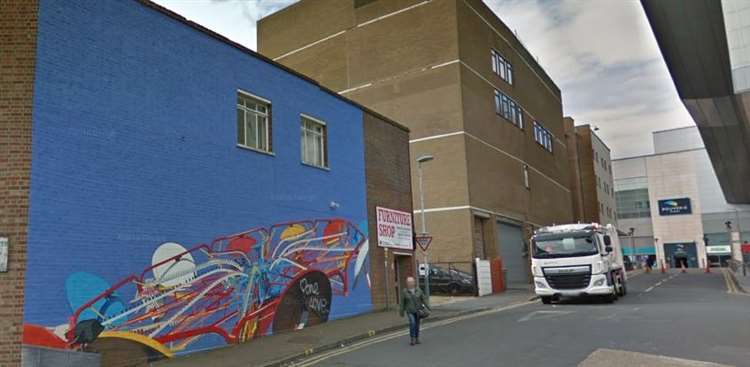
675 206
394 229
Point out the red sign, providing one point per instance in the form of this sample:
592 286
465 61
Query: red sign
746 248
423 242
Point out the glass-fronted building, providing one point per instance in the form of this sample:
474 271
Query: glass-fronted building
671 203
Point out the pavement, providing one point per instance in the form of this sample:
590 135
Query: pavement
286 348
666 320
742 281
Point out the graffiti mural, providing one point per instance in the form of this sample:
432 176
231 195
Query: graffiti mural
237 287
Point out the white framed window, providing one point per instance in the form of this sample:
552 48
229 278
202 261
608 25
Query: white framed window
508 109
501 66
542 136
253 122
314 142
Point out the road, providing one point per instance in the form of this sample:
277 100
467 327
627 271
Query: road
665 320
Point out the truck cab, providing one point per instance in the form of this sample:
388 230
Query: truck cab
577 260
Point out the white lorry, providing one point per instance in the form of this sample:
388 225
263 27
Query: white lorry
577 260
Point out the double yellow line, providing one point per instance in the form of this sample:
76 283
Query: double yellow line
731 286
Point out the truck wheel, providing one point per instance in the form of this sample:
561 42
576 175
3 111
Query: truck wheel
623 287
546 300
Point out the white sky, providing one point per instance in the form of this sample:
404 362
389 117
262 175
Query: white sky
601 53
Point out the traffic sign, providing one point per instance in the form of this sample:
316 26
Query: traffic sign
423 242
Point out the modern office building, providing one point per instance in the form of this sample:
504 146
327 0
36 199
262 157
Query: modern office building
709 59
673 201
166 190
473 97
591 177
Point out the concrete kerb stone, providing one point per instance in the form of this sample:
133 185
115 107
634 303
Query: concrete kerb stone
291 360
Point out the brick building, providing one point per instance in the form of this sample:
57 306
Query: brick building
591 176
186 192
472 96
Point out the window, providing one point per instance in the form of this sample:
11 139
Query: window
253 123
314 142
508 109
526 176
501 67
542 136
632 203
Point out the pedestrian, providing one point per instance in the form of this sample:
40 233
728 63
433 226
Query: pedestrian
415 307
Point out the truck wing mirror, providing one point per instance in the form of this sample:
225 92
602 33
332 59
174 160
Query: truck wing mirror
608 249
607 240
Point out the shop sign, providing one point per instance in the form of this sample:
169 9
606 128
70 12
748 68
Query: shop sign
675 206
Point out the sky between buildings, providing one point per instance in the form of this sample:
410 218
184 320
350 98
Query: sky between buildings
601 53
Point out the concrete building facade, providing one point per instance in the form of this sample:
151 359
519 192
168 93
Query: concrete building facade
591 177
709 60
674 202
472 96
166 190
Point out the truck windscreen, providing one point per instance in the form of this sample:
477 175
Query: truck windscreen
565 246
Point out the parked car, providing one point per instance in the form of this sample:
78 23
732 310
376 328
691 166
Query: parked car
449 281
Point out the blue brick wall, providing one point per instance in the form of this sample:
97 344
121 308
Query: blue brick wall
134 131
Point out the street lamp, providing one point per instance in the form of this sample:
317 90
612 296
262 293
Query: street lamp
423 159
632 244
420 160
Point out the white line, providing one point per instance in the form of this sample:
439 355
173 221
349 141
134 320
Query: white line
439 136
649 289
368 342
392 14
444 64
309 45
517 159
355 88
463 207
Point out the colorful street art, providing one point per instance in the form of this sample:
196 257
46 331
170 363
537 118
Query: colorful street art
238 287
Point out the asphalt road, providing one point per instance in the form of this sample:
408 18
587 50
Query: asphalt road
687 316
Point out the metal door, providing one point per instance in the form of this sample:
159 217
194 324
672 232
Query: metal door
512 250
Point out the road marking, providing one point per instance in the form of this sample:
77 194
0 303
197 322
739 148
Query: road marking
365 343
536 315
657 284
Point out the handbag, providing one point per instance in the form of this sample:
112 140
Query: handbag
423 312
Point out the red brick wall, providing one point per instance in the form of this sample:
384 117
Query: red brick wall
17 56
388 177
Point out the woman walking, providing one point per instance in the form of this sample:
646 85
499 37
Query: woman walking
414 305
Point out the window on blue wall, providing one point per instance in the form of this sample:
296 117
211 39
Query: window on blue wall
253 122
314 145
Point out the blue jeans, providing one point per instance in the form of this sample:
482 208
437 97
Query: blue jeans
413 325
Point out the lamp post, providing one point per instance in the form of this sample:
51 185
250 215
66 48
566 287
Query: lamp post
632 244
422 159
